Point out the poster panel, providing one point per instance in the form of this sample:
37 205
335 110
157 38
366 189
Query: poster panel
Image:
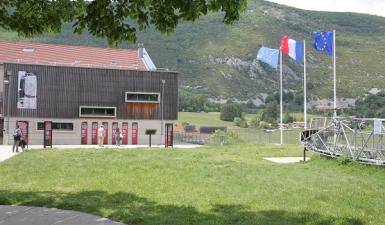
26 90
84 136
47 133
105 125
23 125
169 135
134 133
125 133
113 136
94 133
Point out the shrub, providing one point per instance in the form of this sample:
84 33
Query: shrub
230 111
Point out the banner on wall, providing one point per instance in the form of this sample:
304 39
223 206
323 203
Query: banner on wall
113 136
23 125
134 133
94 133
26 90
125 133
105 125
84 136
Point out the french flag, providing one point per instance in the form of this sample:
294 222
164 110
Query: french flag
292 48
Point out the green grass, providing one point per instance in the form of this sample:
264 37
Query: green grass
211 185
203 119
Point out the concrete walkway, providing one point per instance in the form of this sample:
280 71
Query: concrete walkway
6 150
25 215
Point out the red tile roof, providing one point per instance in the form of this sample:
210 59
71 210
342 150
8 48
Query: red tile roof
66 55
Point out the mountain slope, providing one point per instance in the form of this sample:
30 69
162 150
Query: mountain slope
220 60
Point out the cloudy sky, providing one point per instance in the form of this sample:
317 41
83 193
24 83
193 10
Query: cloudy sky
374 7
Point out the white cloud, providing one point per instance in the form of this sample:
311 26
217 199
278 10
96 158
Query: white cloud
373 7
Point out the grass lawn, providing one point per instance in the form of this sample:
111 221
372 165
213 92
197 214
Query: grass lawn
203 119
210 185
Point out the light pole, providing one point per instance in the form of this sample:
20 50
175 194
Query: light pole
161 112
7 84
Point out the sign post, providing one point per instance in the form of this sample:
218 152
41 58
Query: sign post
150 132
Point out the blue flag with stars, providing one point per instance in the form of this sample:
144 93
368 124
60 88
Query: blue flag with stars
323 42
269 56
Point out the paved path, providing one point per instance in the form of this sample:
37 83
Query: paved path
25 215
6 150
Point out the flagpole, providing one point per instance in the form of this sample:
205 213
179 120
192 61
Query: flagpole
280 98
334 73
304 85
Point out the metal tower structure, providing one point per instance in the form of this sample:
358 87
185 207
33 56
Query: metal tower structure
358 139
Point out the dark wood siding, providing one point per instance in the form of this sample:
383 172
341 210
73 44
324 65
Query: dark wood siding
61 90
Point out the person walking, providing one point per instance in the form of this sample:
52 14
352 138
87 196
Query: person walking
118 137
101 133
17 134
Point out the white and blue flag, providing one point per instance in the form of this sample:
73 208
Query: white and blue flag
269 56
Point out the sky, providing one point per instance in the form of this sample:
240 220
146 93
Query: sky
373 7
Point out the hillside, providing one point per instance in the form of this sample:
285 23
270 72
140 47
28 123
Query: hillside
220 60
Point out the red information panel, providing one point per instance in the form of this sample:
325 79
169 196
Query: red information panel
114 127
47 133
23 125
134 133
84 129
105 125
125 133
94 133
169 135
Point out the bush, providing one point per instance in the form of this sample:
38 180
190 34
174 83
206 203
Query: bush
230 111
241 122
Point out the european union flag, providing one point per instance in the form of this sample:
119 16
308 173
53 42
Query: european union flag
323 42
269 56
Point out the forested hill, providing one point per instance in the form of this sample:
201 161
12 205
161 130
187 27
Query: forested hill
219 60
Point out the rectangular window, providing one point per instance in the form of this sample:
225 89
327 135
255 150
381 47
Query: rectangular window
145 97
57 126
96 111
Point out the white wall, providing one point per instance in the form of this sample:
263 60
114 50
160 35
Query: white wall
74 137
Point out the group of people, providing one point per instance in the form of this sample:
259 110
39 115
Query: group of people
17 139
102 133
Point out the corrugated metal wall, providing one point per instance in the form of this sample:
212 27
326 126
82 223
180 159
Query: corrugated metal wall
61 90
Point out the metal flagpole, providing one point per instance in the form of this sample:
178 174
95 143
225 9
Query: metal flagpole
334 73
304 85
280 98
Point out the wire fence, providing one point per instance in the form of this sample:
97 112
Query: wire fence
290 136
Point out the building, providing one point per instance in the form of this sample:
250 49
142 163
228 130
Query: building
81 88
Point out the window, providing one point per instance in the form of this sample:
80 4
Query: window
57 126
96 111
142 97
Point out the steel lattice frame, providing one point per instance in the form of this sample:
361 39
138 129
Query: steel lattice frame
354 138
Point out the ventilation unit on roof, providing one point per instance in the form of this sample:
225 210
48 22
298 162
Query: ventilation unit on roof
28 49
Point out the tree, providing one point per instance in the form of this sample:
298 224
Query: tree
116 20
230 111
270 112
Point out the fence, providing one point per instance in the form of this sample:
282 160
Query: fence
290 136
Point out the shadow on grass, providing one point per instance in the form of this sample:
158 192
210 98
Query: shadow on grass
134 210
